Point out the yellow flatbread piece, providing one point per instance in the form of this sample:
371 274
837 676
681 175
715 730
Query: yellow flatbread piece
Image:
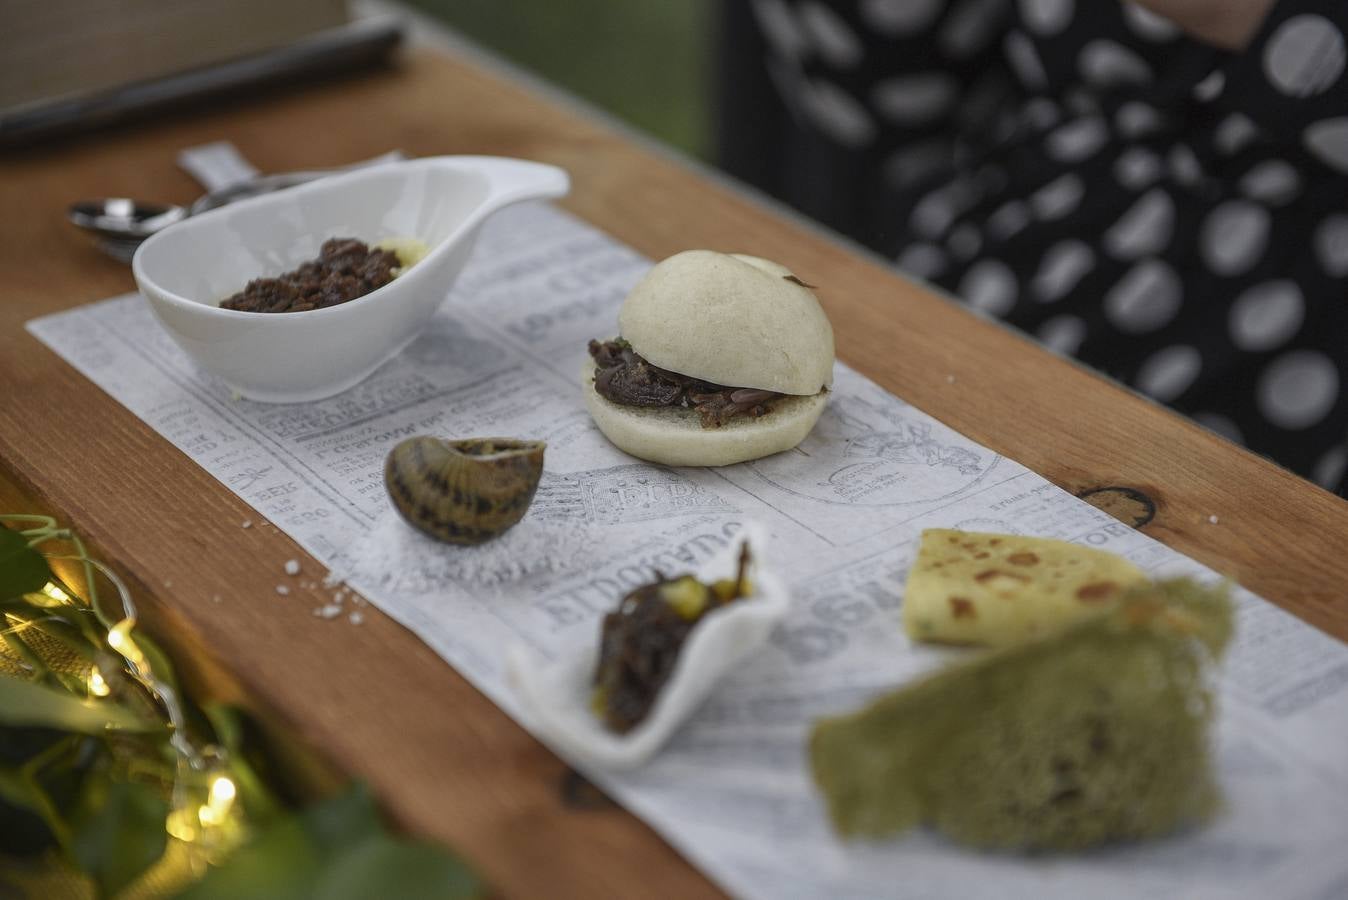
968 587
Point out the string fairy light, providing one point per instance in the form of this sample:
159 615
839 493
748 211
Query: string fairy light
202 810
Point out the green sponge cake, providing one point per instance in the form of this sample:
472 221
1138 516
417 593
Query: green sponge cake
1096 733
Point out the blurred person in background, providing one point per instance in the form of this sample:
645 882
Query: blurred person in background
1158 188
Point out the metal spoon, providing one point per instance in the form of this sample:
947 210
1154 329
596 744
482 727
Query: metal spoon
122 218
122 223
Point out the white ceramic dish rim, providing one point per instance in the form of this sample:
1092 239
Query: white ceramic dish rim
488 205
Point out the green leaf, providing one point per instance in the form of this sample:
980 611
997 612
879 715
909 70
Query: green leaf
16 789
28 703
336 849
343 820
227 724
384 867
29 821
286 861
118 831
282 863
22 569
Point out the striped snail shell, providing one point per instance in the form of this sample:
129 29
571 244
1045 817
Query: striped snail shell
466 491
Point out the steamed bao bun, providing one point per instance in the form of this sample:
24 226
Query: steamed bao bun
732 320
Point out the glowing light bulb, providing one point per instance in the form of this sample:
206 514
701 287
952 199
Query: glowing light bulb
219 799
222 792
119 639
97 686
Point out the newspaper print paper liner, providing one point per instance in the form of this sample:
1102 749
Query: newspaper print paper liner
556 696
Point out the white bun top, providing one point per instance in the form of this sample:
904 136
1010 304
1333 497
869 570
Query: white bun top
732 320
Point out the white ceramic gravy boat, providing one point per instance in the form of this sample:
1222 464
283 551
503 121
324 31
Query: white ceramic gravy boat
186 270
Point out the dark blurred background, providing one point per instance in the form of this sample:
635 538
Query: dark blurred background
663 50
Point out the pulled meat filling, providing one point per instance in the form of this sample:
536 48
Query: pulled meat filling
638 646
640 641
345 269
623 377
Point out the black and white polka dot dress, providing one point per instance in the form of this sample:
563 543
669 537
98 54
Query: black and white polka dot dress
1172 214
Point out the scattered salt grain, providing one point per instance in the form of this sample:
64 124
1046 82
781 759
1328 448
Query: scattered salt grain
168 583
292 567
356 618
1212 520
332 579
282 590
247 523
331 611
950 379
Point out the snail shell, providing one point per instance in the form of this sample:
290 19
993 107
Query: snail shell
463 492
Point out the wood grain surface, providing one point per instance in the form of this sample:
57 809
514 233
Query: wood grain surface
373 700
